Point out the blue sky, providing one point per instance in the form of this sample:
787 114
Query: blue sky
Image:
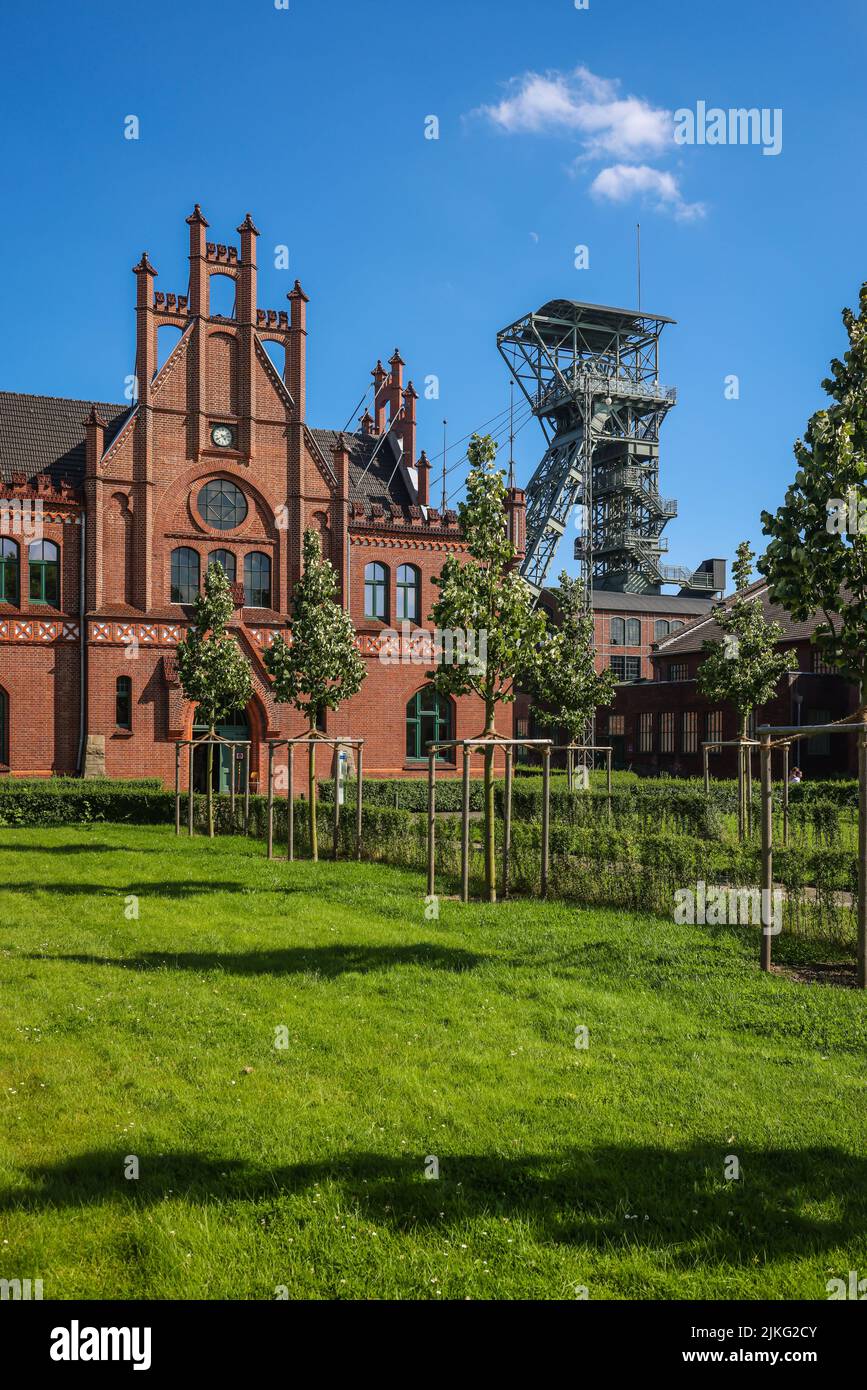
313 118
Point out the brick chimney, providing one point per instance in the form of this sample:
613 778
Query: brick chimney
423 479
516 520
94 435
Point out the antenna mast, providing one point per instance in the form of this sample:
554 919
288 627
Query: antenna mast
445 425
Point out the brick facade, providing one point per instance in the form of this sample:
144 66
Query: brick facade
129 481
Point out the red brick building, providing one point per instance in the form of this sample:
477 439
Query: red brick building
113 512
658 725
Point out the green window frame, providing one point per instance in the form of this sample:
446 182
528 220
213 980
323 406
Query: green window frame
4 727
429 719
44 558
408 593
227 562
123 702
376 591
8 571
185 575
257 580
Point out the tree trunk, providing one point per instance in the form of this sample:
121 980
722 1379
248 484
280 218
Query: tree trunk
490 842
861 973
211 788
743 781
311 792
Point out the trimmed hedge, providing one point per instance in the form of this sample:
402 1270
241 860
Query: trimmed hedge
72 801
600 863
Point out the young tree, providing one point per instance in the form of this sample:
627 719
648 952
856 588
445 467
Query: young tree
486 599
212 670
321 666
745 668
567 688
816 562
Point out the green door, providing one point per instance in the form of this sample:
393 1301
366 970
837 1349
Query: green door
236 728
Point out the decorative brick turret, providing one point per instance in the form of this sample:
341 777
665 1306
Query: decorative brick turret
395 385
296 352
408 425
380 376
245 314
146 336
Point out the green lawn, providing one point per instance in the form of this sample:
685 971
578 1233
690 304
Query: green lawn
304 1167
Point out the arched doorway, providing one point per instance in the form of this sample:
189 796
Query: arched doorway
236 727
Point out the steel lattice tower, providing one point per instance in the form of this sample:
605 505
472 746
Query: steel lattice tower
591 376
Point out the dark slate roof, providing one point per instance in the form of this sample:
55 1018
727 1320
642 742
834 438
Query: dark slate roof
613 599
690 638
45 434
382 481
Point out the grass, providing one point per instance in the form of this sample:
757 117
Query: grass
304 1167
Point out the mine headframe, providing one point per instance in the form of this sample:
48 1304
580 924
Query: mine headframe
591 376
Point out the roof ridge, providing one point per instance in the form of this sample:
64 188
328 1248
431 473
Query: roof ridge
70 400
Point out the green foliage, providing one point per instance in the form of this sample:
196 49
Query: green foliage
212 670
79 802
745 668
486 598
486 595
321 666
813 567
566 685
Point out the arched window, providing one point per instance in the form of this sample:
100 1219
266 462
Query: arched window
226 560
633 632
660 629
618 632
375 591
8 571
168 337
4 727
222 505
277 354
185 575
123 702
675 627
222 296
429 719
408 593
257 580
45 573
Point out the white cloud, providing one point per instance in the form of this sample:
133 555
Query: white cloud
620 183
586 105
606 126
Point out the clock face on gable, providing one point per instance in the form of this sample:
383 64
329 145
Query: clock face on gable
223 436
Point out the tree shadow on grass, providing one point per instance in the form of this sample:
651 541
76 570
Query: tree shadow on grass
182 888
611 1197
328 961
66 849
